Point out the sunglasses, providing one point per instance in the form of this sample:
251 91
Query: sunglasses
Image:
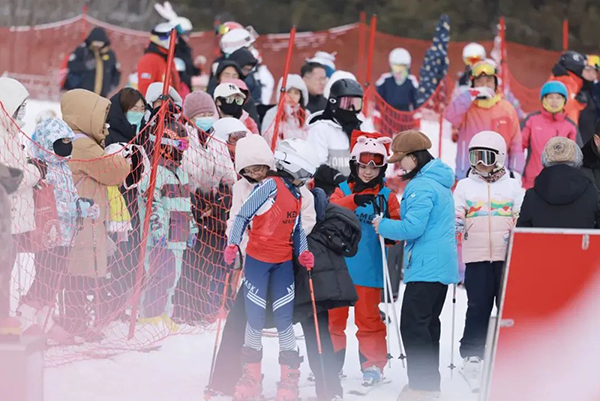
238 100
373 159
351 103
483 156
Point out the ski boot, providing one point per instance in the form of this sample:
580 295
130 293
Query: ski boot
287 390
471 371
249 386
372 376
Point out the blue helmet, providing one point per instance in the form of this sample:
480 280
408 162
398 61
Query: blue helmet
554 87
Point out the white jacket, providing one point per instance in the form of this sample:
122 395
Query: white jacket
13 154
331 143
208 165
489 212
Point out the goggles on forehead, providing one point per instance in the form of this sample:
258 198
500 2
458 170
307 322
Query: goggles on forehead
483 69
593 60
351 103
373 159
483 156
179 143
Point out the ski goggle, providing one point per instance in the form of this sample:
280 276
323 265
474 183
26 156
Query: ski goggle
483 156
351 103
593 60
179 143
238 100
373 159
480 69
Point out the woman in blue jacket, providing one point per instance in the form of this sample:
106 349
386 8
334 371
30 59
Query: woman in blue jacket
430 256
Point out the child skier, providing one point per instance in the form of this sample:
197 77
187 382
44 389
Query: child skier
274 210
362 193
549 122
487 204
172 227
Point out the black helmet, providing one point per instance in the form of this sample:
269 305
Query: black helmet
345 87
572 61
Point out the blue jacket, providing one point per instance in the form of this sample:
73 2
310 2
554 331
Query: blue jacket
366 267
401 97
427 226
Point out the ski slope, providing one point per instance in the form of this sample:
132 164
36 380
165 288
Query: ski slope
179 370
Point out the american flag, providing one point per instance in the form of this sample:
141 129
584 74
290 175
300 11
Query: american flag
435 64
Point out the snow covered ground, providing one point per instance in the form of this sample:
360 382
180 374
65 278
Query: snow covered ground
179 369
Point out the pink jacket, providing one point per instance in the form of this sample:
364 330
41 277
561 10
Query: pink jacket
471 119
489 212
538 129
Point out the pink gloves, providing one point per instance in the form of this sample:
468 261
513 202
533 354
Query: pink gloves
307 259
230 253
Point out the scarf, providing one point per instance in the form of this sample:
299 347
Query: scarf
488 103
99 72
493 177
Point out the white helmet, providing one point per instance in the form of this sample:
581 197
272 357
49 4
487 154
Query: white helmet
400 56
489 141
297 158
236 39
473 51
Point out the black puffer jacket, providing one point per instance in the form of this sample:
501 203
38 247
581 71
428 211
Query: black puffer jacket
331 241
562 197
591 162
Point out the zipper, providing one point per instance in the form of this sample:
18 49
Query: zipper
489 186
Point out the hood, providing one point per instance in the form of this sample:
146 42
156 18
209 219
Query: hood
340 231
561 184
243 57
12 94
224 127
591 156
251 151
155 90
294 81
438 171
120 129
10 178
98 34
46 133
86 112
228 63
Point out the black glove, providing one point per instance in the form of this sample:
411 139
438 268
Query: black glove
363 199
328 179
582 97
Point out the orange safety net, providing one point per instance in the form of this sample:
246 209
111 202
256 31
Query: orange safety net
41 51
121 247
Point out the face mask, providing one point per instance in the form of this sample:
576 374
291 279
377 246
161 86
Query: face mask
63 149
135 117
233 109
205 123
487 103
400 73
551 109
346 117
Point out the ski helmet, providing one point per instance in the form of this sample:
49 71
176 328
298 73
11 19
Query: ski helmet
554 87
488 148
486 67
344 87
297 158
161 33
473 53
370 150
400 56
228 26
572 61
236 39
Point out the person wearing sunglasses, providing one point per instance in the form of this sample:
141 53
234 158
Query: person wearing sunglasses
230 102
487 205
398 87
483 108
430 257
365 193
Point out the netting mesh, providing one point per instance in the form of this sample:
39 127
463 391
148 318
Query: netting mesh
89 272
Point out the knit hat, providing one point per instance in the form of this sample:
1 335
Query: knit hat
560 150
199 102
408 142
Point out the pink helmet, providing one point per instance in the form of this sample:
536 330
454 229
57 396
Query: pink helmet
366 148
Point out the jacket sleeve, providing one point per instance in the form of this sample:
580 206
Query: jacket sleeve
418 209
106 170
318 139
458 108
146 72
267 125
526 133
116 73
347 201
251 125
236 204
518 195
300 236
393 207
525 216
13 155
266 190
308 212
517 160
460 201
77 62
575 135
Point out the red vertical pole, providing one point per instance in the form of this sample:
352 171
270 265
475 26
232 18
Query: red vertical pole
371 49
146 223
503 63
565 35
286 70
362 31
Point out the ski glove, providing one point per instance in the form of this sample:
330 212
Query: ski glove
230 253
363 199
307 259
482 92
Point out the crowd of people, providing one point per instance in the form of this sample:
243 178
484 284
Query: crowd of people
300 217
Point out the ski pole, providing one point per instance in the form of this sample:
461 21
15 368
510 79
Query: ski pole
452 366
316 321
388 289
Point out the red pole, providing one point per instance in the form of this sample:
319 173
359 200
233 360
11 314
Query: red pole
565 34
362 31
371 49
286 70
150 193
503 63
